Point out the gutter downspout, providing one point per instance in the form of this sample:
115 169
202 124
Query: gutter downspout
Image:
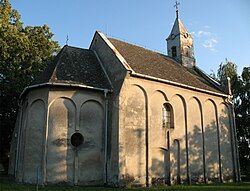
238 178
106 138
234 136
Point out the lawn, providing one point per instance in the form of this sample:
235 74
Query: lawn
6 184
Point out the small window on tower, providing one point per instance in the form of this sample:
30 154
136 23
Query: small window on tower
174 54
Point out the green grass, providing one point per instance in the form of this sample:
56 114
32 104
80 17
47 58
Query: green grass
6 184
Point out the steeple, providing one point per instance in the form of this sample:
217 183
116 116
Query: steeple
180 42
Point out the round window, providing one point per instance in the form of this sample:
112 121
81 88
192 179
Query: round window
76 139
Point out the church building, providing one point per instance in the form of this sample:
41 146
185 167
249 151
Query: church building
118 114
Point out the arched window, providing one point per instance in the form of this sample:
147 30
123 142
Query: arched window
174 52
167 116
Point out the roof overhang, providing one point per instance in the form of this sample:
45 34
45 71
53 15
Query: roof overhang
61 84
138 75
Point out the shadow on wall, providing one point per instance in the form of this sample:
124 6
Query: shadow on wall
139 134
133 139
61 124
211 154
81 164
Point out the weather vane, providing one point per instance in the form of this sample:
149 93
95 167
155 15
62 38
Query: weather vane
177 8
67 39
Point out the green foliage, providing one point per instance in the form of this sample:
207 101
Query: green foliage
23 53
242 110
227 69
241 98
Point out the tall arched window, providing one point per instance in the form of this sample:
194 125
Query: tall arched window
167 116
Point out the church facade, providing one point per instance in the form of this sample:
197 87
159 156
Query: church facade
120 114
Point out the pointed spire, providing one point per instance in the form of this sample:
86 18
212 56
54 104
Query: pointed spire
180 42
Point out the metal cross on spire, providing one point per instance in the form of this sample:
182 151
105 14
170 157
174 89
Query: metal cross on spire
67 39
177 8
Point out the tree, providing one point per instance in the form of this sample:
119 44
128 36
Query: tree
240 86
242 111
23 54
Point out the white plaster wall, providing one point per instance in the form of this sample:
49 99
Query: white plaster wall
195 149
90 155
48 118
29 149
178 133
226 144
112 65
21 145
34 142
76 111
187 104
157 138
60 154
132 134
211 141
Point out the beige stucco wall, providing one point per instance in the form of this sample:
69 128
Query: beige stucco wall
48 118
200 144
116 73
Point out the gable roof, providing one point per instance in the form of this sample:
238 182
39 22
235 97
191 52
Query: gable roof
75 66
147 62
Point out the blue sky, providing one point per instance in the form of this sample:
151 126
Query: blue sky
221 28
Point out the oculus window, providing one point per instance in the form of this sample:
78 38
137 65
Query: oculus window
76 139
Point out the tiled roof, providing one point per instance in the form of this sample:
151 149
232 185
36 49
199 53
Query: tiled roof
75 66
157 65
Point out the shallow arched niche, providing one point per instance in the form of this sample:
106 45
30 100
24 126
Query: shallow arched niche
195 143
211 140
225 142
175 162
133 134
161 94
90 153
21 152
60 155
178 165
157 144
34 142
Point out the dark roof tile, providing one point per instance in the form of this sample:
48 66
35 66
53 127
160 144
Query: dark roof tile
158 65
75 66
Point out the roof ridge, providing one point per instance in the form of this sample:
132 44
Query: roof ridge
68 46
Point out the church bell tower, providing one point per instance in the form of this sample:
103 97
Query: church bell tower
180 43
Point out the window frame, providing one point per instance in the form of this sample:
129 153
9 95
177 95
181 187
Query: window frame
167 116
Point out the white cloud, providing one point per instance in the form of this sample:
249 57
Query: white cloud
209 39
193 33
210 44
204 33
